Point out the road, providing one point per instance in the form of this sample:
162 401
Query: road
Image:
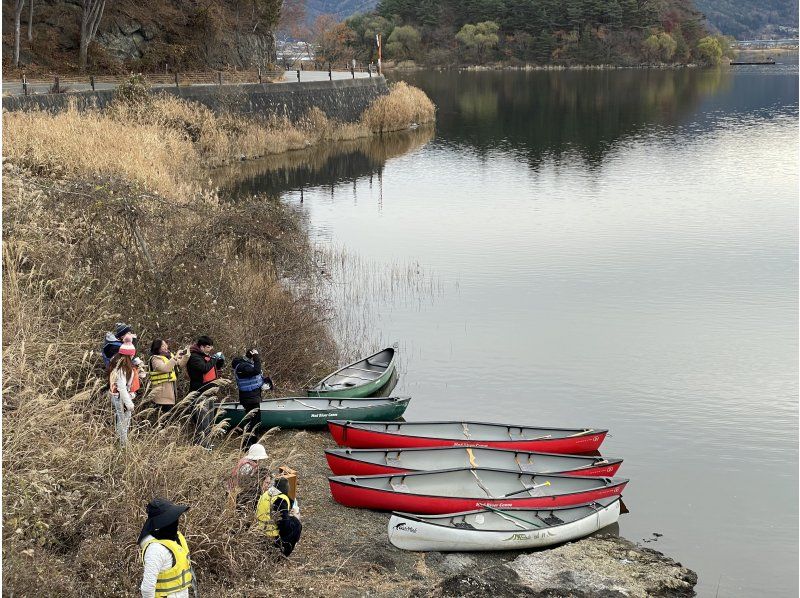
15 87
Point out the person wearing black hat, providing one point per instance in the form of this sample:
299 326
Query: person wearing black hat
275 518
168 569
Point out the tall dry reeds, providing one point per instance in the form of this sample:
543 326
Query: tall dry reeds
165 144
76 258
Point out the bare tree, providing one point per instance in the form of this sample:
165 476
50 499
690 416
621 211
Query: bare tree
90 21
18 6
30 21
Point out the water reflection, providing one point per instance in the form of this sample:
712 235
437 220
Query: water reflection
324 165
542 115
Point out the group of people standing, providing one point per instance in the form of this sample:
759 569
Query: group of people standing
126 374
252 487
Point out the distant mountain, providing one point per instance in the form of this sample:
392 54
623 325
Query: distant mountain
339 8
746 19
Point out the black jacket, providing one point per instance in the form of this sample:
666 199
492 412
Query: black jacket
199 365
244 368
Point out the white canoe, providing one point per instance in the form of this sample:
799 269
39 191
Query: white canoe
506 529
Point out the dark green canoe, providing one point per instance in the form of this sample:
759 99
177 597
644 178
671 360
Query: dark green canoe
312 412
361 378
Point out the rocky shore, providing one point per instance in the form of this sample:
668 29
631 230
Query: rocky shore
347 552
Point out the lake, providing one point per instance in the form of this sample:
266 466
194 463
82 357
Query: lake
613 249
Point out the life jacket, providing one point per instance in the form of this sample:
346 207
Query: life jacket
157 377
179 576
264 513
135 384
211 374
248 384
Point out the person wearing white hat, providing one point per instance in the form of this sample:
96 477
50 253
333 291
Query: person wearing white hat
248 477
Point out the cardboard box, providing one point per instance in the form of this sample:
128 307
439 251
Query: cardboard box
291 475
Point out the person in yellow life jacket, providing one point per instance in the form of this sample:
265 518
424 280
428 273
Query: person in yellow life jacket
274 517
168 569
163 380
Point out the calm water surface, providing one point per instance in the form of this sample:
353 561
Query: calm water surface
606 249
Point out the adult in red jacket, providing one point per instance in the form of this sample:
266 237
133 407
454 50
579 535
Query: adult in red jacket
203 369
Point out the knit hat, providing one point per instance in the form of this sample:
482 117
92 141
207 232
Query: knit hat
120 329
127 349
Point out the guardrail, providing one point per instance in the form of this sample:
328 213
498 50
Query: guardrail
63 83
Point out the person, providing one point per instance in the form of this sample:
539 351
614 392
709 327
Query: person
203 369
168 571
250 382
274 517
124 381
163 381
248 478
113 340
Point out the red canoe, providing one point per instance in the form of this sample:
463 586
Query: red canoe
361 434
347 461
455 490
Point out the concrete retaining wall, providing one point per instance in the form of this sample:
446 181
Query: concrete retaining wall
344 99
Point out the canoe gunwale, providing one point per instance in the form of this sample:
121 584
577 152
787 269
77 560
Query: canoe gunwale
346 454
343 481
236 406
430 519
346 423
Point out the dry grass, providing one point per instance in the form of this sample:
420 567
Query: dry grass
164 144
404 107
88 241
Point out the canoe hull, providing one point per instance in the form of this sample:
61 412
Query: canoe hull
387 500
362 388
354 437
274 416
299 419
350 462
410 533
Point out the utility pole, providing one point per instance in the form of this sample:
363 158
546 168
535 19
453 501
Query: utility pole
378 39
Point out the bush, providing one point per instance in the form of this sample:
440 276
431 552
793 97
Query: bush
403 107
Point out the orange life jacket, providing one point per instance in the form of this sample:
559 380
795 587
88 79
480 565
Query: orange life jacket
211 374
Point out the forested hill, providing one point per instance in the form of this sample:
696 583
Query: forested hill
747 19
450 32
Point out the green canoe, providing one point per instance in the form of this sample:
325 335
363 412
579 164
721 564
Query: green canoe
311 412
359 379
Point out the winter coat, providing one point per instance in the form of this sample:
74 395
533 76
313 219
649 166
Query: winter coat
166 392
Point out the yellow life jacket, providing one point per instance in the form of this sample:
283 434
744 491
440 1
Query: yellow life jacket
157 377
264 512
180 575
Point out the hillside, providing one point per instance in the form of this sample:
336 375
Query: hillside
147 35
747 19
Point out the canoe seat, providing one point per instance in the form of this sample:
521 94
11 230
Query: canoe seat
463 525
399 486
551 519
378 364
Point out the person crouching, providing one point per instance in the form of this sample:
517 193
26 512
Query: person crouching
274 517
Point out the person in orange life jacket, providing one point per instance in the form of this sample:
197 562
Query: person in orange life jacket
168 569
203 369
162 366
250 381
124 380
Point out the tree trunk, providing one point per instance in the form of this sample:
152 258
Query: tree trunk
90 20
17 16
30 21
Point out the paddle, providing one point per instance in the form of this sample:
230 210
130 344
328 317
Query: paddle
504 514
534 487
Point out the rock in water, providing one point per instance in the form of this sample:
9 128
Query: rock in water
604 566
